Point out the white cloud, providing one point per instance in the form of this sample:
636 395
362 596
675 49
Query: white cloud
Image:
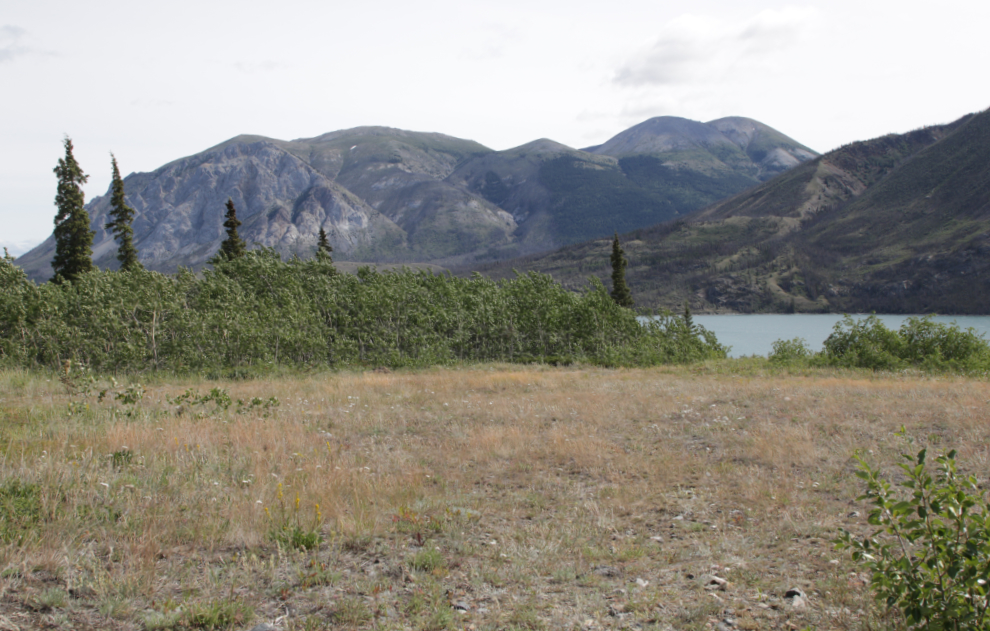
490 42
11 46
700 49
254 67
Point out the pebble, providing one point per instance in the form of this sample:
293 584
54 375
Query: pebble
713 583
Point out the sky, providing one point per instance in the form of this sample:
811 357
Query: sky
154 82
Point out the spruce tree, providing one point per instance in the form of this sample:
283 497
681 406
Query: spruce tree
323 247
233 247
620 291
688 320
73 238
121 217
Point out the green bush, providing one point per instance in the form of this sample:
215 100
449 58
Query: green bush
256 312
920 343
930 556
864 343
793 351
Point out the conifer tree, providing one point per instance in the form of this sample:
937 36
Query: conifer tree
73 238
323 247
121 217
688 320
233 247
620 291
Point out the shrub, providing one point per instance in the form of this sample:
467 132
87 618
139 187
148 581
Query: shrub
920 343
864 343
790 351
257 311
930 556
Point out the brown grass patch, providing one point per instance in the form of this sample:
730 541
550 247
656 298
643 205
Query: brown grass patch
548 493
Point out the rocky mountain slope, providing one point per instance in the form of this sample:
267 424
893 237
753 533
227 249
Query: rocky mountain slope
897 224
394 196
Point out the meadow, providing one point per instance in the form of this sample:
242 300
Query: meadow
486 496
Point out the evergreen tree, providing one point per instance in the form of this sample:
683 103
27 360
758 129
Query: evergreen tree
233 247
73 238
620 291
323 246
121 217
688 320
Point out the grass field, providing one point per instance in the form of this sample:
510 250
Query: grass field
487 497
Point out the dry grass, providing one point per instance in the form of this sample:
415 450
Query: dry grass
487 498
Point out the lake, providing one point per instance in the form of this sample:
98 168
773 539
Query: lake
755 334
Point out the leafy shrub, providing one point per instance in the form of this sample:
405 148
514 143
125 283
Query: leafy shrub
790 351
930 557
920 342
864 343
258 311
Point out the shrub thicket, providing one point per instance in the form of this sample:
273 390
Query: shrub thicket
259 311
920 343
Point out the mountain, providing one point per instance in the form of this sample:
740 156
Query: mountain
897 224
656 171
281 200
733 146
394 196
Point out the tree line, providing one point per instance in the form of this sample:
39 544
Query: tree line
253 310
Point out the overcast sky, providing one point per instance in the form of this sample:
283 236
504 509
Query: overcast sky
154 82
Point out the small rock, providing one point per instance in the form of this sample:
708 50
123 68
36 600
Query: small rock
264 626
855 513
714 583
657 539
641 582
606 570
795 592
798 602
460 605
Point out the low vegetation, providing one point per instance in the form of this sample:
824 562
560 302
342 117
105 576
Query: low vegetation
920 343
930 557
256 312
490 497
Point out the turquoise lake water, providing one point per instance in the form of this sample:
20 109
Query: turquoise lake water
755 334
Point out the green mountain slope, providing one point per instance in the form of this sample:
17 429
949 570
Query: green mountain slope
896 224
659 170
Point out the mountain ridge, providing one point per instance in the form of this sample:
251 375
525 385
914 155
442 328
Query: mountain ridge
896 224
395 196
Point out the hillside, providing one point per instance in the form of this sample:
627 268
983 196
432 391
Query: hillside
393 196
897 224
